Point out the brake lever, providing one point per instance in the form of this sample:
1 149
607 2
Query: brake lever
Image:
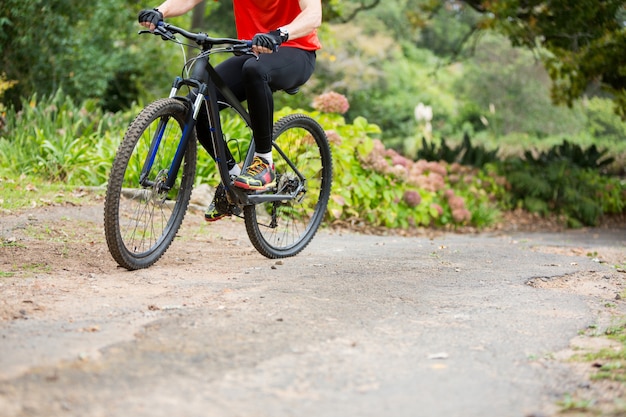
166 35
243 50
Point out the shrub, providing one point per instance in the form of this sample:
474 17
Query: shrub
465 153
571 153
377 186
581 194
56 140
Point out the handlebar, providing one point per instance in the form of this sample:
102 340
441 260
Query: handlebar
167 31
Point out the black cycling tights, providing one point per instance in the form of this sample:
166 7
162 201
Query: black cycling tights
255 81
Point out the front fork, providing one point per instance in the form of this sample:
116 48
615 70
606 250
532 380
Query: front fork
190 124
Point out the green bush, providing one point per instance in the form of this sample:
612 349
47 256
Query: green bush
573 154
602 121
572 183
56 140
377 186
581 194
465 153
81 47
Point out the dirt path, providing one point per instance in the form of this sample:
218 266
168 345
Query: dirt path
357 325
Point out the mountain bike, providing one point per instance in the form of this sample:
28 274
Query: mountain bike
154 169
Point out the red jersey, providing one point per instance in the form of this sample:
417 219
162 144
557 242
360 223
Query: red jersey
260 16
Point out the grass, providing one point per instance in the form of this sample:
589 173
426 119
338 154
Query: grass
609 364
615 332
21 193
36 267
569 403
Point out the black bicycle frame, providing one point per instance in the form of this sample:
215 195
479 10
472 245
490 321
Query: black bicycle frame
206 82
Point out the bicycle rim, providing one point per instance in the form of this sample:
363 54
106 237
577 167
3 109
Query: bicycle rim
303 163
142 221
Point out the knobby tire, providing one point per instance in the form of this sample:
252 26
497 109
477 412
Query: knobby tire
284 229
141 221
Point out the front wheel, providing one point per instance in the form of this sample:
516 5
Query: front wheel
141 212
303 163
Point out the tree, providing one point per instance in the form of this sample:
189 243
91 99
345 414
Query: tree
582 43
80 47
500 83
344 11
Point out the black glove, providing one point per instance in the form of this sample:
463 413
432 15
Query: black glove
270 40
151 16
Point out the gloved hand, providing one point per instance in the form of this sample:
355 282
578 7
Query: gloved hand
270 40
151 16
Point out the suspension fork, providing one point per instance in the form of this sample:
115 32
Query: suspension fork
190 124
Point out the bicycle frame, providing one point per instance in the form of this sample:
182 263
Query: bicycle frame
206 82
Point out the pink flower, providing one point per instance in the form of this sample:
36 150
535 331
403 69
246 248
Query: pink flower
461 215
437 167
331 102
398 159
437 181
412 198
438 208
456 167
456 203
398 170
453 178
333 137
420 166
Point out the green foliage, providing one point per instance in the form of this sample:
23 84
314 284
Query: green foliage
465 153
498 95
56 140
444 30
384 79
581 194
433 151
580 45
74 45
376 186
345 10
505 90
602 122
573 154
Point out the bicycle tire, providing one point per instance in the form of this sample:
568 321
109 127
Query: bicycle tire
283 229
141 222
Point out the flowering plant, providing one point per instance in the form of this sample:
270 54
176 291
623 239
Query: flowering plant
331 102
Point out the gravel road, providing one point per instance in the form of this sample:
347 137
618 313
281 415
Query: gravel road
356 325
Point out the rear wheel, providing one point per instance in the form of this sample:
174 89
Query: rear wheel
303 163
142 215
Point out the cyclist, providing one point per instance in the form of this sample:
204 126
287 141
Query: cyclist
284 40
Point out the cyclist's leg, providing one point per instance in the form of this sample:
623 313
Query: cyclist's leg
285 69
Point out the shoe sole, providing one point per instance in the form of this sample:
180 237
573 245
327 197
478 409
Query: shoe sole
246 186
214 219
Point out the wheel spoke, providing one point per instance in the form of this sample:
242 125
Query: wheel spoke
304 168
141 222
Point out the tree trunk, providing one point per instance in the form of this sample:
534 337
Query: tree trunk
197 17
